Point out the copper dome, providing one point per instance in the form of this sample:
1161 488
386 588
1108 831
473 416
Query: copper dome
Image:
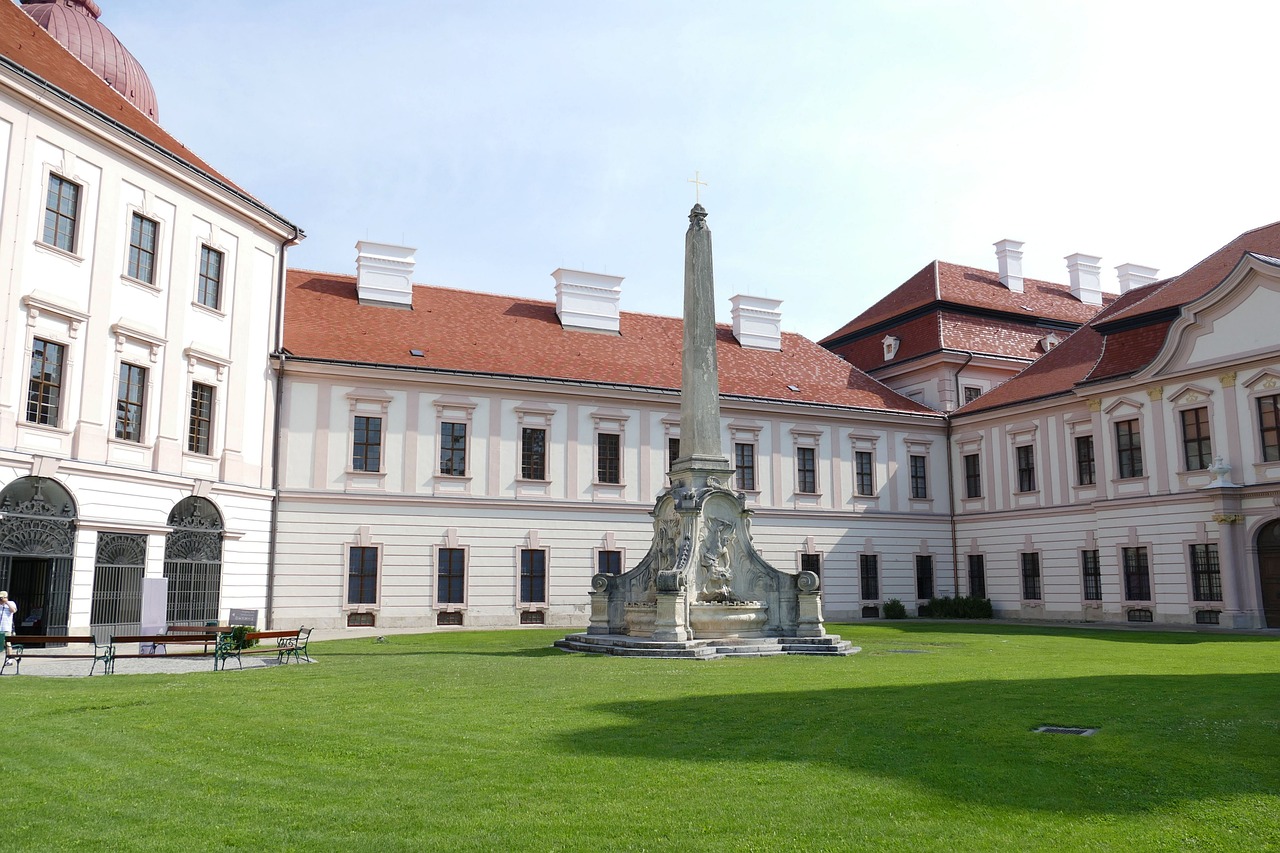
74 23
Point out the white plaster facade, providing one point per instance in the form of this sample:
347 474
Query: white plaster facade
409 511
85 301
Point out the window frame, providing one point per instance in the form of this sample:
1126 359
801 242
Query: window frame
1129 463
977 567
1197 448
203 416
1024 456
453 448
39 388
601 559
362 577
745 449
1268 434
918 476
864 475
608 459
1086 463
806 470
1206 569
869 562
530 575
1032 576
72 235
810 561
460 578
533 459
970 393
1090 574
137 251
1135 573
136 408
925 561
972 463
360 450
207 286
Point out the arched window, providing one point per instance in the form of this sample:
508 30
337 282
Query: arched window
193 562
37 538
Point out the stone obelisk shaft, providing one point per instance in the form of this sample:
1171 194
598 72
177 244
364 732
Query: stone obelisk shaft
700 448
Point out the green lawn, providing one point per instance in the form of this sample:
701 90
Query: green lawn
493 741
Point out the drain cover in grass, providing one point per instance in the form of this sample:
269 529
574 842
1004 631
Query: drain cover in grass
1064 730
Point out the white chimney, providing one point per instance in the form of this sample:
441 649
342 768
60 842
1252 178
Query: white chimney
384 273
588 301
1009 256
1132 275
1086 279
757 322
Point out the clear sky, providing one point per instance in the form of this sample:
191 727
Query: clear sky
845 144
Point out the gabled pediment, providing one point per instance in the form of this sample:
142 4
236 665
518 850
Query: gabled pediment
1124 406
1264 380
1190 394
1234 321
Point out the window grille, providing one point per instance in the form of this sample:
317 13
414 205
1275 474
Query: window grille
924 576
1092 575
1206 576
533 575
200 429
977 576
869 569
450 576
1137 574
608 457
1086 473
864 481
193 562
1140 614
1031 576
449 617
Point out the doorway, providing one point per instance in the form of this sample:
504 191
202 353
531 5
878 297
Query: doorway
37 532
41 587
1269 572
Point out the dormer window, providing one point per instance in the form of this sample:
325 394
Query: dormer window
890 347
1049 341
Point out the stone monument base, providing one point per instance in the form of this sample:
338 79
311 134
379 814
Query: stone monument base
706 649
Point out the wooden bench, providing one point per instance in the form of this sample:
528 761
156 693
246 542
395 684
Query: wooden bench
166 640
16 648
200 629
289 644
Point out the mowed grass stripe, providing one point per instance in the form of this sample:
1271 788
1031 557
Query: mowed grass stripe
491 740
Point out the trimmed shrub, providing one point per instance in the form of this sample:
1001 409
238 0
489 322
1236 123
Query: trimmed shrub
960 607
240 637
894 609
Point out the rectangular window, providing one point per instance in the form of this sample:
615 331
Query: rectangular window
533 575
924 576
1092 572
1137 574
362 576
1206 577
977 576
129 399
811 563
366 444
864 481
869 568
971 393
200 430
673 452
1026 457
209 289
533 454
1269 425
919 478
1086 472
453 449
1197 452
450 575
44 388
806 471
744 458
609 562
61 207
972 475
142 249
608 457
1128 449
1031 576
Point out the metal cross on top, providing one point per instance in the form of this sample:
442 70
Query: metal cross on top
697 187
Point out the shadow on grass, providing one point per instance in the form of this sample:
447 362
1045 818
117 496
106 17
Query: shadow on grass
1161 739
1090 631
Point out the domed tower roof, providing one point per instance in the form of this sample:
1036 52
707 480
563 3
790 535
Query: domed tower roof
74 23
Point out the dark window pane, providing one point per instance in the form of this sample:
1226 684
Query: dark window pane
608 457
142 249
972 475
673 452
129 399
453 449
533 454
1206 576
1031 576
1137 574
977 576
919 478
533 575
1026 456
201 426
806 471
366 444
609 562
745 460
1092 572
1129 449
869 568
1197 451
362 576
44 387
864 482
450 575
1085 469
924 577
811 563
62 205
1269 426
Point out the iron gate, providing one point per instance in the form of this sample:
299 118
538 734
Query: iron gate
117 584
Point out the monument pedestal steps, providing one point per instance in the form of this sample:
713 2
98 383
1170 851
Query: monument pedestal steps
714 648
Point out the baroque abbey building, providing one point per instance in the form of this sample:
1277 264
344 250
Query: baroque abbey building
350 448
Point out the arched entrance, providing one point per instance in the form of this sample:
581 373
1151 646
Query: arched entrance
37 539
193 562
1269 572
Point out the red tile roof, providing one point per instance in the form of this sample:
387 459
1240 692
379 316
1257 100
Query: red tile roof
25 43
1127 335
505 335
941 282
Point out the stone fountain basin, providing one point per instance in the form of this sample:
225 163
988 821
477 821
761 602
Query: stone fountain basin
640 618
710 619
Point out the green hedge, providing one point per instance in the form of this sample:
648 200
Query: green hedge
960 607
894 609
